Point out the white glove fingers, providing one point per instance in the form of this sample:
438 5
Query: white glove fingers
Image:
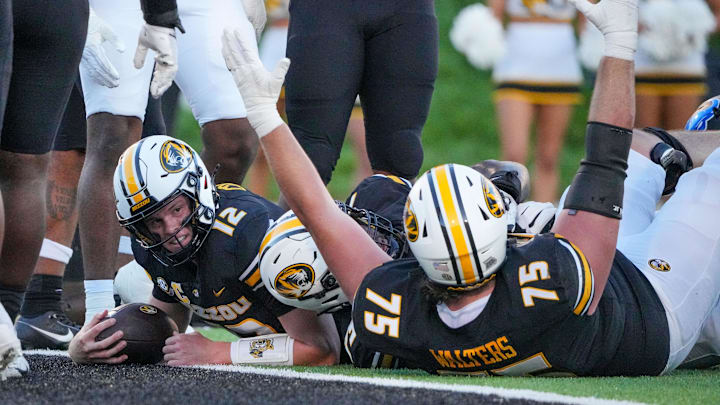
227 50
281 69
110 36
162 77
108 71
583 6
140 54
247 52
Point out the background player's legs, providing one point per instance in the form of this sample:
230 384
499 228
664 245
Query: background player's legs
108 136
356 132
401 65
9 344
648 110
54 33
114 123
514 118
679 253
232 143
324 78
677 109
551 127
209 88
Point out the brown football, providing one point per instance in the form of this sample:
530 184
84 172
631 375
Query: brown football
145 328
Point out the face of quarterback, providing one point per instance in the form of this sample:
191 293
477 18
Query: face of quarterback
167 224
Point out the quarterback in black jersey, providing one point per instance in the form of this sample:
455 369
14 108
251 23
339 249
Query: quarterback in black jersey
199 245
565 302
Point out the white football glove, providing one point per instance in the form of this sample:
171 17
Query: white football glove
94 58
618 22
534 217
510 210
259 88
256 14
162 41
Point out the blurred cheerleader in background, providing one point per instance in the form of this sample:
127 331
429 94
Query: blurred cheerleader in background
537 75
670 67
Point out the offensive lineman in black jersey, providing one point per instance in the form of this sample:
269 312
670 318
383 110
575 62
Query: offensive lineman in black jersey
551 305
199 245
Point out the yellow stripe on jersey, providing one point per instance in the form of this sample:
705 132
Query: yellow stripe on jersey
129 174
254 278
454 224
586 284
279 229
396 179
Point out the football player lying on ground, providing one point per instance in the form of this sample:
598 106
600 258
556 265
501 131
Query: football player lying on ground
470 303
297 275
199 244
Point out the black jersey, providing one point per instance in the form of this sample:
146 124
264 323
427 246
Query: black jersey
222 283
534 323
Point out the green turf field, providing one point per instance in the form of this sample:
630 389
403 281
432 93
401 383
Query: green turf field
681 387
461 127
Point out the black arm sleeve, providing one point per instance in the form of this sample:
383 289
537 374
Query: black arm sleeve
163 13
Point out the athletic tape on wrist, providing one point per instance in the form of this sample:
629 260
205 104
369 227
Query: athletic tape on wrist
55 251
268 350
98 297
621 45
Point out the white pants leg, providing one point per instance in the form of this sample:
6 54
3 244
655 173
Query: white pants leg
130 97
685 234
204 79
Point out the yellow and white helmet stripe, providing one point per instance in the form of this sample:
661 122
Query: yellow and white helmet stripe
288 224
454 224
131 180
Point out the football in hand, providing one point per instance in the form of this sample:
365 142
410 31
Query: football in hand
145 328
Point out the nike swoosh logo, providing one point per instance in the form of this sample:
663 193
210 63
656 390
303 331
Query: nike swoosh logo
60 338
217 294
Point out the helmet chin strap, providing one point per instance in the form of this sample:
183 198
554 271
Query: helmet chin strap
215 171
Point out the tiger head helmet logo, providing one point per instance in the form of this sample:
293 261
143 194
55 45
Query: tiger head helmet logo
258 347
493 199
295 281
175 157
411 225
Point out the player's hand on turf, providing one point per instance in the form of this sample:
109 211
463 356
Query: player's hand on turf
94 57
618 22
84 349
256 14
259 88
185 349
162 41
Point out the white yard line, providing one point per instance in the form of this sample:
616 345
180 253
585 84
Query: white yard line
510 393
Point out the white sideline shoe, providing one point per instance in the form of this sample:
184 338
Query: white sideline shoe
12 362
